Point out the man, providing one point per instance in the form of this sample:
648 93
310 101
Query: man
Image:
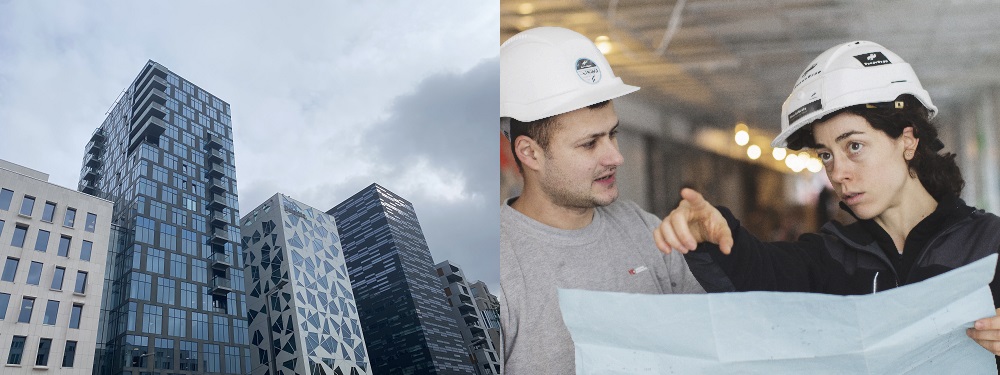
567 229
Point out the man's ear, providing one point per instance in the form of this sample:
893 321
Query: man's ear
528 152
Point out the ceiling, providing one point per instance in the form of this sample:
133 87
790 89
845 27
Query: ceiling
730 60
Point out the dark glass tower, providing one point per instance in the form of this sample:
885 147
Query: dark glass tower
174 302
406 321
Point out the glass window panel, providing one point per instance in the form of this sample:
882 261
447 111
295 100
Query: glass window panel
69 355
27 205
4 301
85 250
42 359
27 305
64 246
20 231
16 350
10 269
51 312
91 223
49 212
57 278
74 317
70 218
5 197
81 282
42 243
1 226
34 273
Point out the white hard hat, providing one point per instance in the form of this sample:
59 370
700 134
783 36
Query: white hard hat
548 71
849 74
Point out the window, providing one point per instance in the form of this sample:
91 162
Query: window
189 295
233 360
168 237
85 250
142 285
199 326
144 229
5 197
189 356
154 260
34 273
42 359
81 282
69 354
51 312
164 353
1 226
166 289
10 269
220 329
64 246
42 243
50 211
177 323
57 278
4 301
75 314
157 210
27 305
199 271
16 350
27 205
70 218
20 231
178 266
211 358
152 319
91 223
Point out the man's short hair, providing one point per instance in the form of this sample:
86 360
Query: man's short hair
539 130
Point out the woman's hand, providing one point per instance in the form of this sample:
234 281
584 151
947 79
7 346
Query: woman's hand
693 221
987 333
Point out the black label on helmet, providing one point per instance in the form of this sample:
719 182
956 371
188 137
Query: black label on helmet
813 106
873 59
588 71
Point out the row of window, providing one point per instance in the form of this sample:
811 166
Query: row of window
51 311
18 344
35 274
42 241
207 360
48 213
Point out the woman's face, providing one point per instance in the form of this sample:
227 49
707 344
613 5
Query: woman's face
867 168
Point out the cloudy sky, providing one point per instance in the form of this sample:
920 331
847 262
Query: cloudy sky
327 97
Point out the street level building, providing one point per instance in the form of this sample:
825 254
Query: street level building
53 244
175 300
302 313
406 321
466 313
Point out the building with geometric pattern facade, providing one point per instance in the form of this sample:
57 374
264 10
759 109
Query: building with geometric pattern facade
407 323
466 313
302 311
174 302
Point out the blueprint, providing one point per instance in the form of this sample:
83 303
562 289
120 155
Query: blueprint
914 329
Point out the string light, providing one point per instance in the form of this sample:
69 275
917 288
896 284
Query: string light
753 152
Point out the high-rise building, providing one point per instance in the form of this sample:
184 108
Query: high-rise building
53 244
302 313
175 299
406 321
466 313
489 309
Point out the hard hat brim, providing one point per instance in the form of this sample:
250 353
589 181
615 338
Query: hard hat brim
566 102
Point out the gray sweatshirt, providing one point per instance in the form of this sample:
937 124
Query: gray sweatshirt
615 252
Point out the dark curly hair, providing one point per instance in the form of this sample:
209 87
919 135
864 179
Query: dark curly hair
939 173
539 130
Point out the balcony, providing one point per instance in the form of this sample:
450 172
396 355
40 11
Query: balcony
95 147
98 136
219 219
152 128
216 156
219 236
220 285
217 203
88 187
212 140
470 317
152 106
151 71
90 174
216 171
217 186
453 278
153 84
221 261
92 161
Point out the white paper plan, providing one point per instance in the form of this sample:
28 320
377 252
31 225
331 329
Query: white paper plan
914 329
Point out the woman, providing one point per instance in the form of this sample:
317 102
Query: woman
862 110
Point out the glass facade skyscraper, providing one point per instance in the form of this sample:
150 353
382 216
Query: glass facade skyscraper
407 324
302 312
174 302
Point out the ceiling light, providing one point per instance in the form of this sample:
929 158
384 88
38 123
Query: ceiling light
526 8
814 165
778 153
526 22
742 137
753 152
603 43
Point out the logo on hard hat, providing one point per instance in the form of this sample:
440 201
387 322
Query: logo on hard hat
588 71
872 59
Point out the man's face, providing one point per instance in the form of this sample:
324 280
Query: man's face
578 168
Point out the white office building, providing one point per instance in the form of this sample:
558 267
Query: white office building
53 245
